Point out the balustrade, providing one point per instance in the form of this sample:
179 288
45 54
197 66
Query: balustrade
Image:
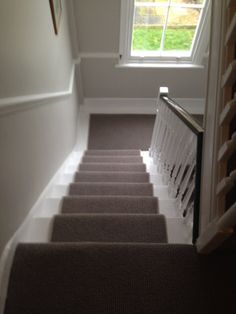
176 148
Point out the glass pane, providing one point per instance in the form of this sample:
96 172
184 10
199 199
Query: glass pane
155 1
173 1
187 1
147 28
181 28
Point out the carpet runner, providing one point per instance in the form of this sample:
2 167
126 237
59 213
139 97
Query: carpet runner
120 131
109 254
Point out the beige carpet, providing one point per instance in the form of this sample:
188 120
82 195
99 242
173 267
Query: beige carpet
120 131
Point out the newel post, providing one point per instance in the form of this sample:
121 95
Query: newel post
163 91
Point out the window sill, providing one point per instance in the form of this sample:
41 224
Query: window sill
160 65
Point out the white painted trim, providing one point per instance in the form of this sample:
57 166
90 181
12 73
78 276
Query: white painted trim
73 27
12 104
126 24
201 49
160 64
99 55
179 57
138 105
79 80
22 234
213 107
120 105
77 61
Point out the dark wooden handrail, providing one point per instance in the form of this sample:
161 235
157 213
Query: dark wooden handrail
183 115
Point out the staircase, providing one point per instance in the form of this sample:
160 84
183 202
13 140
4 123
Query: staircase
109 253
111 200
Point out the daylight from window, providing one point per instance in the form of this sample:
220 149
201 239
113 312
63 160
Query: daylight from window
165 27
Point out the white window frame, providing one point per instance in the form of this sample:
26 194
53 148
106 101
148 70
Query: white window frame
197 53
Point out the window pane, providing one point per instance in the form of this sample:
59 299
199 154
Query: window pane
187 1
173 1
147 28
181 27
155 1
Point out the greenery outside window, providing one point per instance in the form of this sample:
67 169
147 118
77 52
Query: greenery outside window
174 31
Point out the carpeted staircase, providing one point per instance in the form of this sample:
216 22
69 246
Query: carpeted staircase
107 204
109 252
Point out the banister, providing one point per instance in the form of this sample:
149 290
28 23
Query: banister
182 114
190 122
197 132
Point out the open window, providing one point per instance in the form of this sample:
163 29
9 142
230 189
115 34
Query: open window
164 31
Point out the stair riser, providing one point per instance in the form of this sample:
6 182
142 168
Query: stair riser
138 189
122 152
110 204
113 159
111 177
112 167
109 228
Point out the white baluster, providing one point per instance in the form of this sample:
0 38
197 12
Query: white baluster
174 151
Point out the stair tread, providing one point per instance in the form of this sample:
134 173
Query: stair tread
110 188
109 204
111 176
109 228
119 278
127 152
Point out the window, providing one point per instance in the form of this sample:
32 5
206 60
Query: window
163 30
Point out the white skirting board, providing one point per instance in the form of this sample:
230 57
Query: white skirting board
138 105
36 226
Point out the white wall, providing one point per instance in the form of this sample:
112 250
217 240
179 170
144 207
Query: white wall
98 25
32 59
34 140
102 79
34 143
